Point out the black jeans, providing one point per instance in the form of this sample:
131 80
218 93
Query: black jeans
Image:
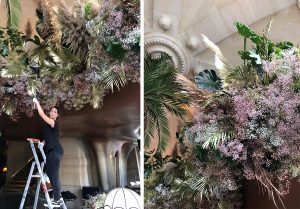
53 159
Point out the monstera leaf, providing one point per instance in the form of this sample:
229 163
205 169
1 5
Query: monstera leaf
208 80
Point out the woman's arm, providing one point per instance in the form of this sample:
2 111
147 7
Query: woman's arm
48 120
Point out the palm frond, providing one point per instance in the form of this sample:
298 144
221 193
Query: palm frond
214 141
40 53
114 79
163 130
159 125
13 11
33 86
195 187
200 186
150 128
244 76
162 92
59 63
15 65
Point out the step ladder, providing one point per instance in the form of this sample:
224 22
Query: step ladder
41 181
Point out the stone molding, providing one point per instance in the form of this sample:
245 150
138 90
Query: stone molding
156 43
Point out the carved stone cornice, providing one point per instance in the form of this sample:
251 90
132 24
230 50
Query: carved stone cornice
160 43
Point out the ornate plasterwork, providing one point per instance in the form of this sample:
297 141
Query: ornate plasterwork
165 22
192 42
158 43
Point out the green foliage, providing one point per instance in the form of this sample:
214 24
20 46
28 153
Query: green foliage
200 153
16 65
245 31
115 50
13 12
263 47
296 84
216 140
195 182
161 93
245 75
114 79
251 73
208 80
88 10
4 49
96 201
154 161
10 39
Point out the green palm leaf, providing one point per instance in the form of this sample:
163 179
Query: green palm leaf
162 92
13 10
216 140
114 79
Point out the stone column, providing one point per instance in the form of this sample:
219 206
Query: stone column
75 171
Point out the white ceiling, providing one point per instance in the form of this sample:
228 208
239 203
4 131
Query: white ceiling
215 19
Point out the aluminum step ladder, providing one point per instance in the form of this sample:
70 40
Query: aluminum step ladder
40 167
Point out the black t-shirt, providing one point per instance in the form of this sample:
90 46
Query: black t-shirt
51 138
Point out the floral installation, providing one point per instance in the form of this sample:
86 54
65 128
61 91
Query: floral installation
79 55
248 128
95 202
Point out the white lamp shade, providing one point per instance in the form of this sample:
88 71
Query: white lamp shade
122 198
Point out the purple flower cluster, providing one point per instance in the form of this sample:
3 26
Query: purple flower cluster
115 23
290 62
235 149
244 108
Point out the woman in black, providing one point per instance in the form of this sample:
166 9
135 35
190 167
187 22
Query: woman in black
53 149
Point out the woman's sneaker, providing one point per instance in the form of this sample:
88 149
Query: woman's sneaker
55 204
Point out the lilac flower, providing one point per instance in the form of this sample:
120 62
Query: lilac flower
234 149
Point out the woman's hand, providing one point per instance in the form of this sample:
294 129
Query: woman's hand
35 100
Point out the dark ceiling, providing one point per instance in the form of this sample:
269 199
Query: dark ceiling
118 118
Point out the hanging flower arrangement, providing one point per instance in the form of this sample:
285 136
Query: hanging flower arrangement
247 129
79 55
